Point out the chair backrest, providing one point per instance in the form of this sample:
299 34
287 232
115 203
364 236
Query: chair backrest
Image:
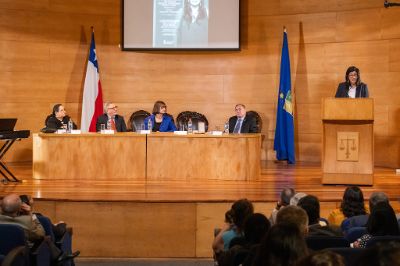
47 226
12 236
350 255
136 120
258 119
18 256
322 242
379 239
183 118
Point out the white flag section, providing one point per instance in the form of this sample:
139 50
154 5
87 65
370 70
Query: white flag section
92 103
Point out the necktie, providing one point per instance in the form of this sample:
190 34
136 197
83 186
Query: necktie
237 126
113 125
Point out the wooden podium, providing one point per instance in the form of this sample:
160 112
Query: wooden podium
348 141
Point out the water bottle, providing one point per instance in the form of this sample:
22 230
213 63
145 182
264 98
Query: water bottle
70 126
190 126
109 124
226 127
149 125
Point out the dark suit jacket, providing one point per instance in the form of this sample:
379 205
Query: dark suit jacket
343 90
120 125
249 124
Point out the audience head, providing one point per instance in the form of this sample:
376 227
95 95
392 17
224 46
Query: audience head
353 202
255 228
286 195
228 217
322 258
382 220
11 205
59 111
295 199
159 108
240 110
353 76
377 197
110 109
310 204
381 254
284 244
241 209
293 215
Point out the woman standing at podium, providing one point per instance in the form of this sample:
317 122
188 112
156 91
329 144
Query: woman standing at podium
352 87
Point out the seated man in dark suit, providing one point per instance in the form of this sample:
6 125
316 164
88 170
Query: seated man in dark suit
242 122
117 122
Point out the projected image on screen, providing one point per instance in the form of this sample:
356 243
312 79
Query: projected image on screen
181 24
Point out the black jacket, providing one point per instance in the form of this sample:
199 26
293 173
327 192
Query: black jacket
249 124
343 91
120 125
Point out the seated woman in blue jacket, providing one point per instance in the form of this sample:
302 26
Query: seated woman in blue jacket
160 120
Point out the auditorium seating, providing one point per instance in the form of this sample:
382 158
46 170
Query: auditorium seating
258 119
322 242
350 255
379 239
183 118
136 120
18 256
355 233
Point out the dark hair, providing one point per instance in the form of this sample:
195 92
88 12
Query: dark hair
56 107
293 215
353 202
310 204
284 244
322 258
228 217
241 209
188 12
384 254
157 107
255 228
382 220
286 195
375 198
24 199
352 69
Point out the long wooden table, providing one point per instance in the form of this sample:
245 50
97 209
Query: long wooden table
157 156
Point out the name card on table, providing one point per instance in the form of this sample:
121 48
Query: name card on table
181 132
143 131
107 131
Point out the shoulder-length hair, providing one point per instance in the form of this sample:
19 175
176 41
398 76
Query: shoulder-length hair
187 12
353 202
157 106
382 220
353 69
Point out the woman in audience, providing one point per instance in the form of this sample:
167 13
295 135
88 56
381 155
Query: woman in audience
240 211
381 222
284 244
58 119
352 205
160 120
322 258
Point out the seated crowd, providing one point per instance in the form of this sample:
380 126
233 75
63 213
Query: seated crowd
18 211
295 234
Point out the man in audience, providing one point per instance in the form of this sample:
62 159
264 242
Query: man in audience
316 227
117 122
242 122
293 215
11 209
286 195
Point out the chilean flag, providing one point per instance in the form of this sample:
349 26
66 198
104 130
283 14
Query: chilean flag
92 103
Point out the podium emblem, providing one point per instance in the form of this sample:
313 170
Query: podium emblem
347 146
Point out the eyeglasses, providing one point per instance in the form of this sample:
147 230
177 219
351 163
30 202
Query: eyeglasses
115 107
353 75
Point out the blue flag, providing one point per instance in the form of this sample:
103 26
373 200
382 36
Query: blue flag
284 131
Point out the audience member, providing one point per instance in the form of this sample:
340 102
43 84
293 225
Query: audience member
381 254
322 258
111 119
240 211
242 122
293 215
295 199
286 195
381 222
284 244
316 227
352 205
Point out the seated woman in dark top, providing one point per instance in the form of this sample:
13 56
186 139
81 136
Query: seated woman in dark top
352 87
160 120
58 119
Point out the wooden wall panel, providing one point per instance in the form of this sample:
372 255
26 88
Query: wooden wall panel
45 43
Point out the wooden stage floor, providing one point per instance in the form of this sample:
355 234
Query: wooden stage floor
303 177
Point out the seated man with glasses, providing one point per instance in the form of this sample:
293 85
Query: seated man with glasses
111 118
242 122
352 87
